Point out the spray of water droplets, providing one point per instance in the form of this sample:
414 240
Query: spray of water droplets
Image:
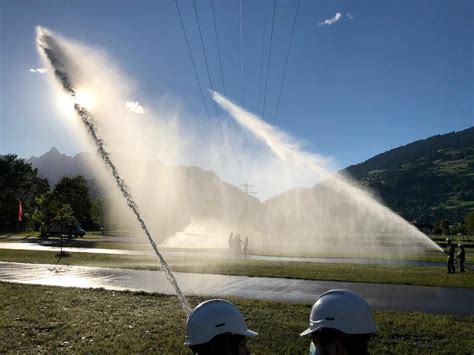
88 121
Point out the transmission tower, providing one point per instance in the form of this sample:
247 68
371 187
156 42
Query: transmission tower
245 187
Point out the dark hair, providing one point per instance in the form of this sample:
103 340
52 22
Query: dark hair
222 344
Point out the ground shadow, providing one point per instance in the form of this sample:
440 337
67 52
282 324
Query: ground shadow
56 242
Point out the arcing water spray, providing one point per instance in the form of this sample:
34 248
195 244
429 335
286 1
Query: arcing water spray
286 150
49 47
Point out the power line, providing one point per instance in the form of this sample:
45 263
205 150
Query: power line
219 127
218 48
192 61
241 54
286 62
269 56
205 57
261 57
197 78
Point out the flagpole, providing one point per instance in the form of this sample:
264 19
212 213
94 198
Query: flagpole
19 216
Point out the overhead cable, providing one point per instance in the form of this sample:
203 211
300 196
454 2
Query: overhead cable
218 47
192 61
205 57
286 61
262 56
268 62
241 54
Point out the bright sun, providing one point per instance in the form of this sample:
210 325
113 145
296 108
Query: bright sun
83 97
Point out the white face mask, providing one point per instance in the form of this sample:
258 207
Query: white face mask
313 350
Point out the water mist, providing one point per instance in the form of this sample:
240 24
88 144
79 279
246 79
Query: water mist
185 179
52 50
344 217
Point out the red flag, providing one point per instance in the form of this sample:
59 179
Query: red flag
20 211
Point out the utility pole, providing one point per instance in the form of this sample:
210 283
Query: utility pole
245 187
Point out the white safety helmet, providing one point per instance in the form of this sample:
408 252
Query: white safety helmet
343 310
214 317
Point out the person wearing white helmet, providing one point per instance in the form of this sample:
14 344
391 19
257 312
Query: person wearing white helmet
217 327
340 323
451 249
461 256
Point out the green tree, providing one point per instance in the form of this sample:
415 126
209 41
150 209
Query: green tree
98 212
39 215
442 227
46 210
73 190
469 223
64 216
19 181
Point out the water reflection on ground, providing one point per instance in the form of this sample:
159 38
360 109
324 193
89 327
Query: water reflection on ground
221 254
39 247
400 297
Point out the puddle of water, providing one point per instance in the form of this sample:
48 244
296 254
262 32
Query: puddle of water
409 298
222 254
28 246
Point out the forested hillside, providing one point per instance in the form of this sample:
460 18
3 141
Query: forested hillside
425 181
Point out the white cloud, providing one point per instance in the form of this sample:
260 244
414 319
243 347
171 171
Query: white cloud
134 106
349 16
38 70
330 21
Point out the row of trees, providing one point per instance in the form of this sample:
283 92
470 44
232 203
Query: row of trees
445 227
68 202
18 182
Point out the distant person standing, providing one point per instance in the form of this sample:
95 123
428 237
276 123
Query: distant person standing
237 245
461 256
451 249
231 242
246 244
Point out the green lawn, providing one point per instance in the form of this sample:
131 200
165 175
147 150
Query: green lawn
20 234
95 239
409 275
43 319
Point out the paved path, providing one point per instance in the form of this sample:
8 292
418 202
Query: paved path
222 255
39 247
399 297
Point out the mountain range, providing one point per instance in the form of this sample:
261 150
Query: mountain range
424 181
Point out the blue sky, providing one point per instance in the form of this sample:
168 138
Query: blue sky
390 73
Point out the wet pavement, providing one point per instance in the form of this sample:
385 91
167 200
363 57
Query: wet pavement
39 247
222 255
397 297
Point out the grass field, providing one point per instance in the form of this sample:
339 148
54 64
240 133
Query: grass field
43 319
95 239
409 275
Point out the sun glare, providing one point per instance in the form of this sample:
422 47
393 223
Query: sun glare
85 98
